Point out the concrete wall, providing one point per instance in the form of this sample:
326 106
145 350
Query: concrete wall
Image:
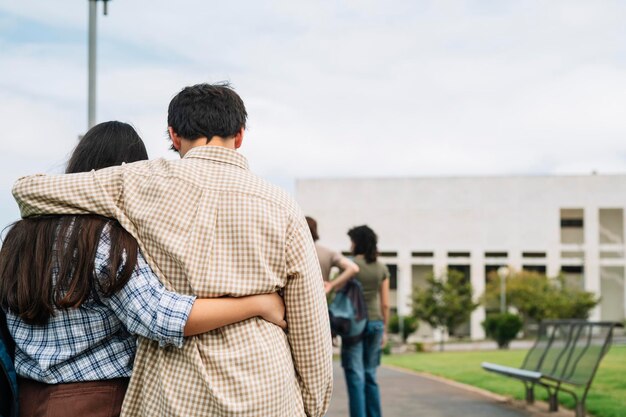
477 215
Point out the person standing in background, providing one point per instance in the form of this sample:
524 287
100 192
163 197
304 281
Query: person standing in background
329 259
361 359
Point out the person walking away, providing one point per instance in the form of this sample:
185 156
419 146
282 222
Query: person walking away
328 259
360 360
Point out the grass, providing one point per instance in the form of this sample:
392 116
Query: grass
607 397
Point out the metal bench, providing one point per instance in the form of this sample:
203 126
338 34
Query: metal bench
565 357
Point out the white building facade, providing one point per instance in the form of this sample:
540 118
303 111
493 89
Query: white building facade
561 224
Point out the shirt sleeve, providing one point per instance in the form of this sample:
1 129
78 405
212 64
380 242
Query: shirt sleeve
307 315
336 258
386 273
144 305
98 192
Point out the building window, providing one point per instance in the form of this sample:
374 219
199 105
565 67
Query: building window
540 269
496 254
422 254
420 275
613 302
463 329
574 276
393 276
573 254
574 223
464 269
572 226
491 271
611 254
380 254
611 226
534 254
458 254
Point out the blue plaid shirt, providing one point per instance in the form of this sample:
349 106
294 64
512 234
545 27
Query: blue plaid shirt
97 341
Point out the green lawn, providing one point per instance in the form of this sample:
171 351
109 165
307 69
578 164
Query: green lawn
607 397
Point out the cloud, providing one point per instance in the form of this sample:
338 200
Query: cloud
333 89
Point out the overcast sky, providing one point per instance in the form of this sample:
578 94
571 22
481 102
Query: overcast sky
333 88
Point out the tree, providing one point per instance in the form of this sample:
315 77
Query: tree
445 303
537 297
572 302
529 292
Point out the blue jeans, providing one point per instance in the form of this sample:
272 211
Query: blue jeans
359 362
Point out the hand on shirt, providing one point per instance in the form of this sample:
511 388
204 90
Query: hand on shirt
273 309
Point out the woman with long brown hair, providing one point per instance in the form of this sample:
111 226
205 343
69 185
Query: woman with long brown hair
76 290
360 360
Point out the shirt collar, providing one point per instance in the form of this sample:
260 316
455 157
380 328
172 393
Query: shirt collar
218 154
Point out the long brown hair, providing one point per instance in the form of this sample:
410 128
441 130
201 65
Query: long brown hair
48 263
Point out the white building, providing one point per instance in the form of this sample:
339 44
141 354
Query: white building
569 224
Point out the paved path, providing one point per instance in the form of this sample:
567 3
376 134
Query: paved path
408 395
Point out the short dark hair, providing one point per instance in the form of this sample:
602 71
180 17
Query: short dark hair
313 228
207 110
105 145
365 242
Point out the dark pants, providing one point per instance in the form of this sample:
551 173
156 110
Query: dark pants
81 399
360 361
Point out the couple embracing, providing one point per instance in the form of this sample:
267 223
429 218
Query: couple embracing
190 257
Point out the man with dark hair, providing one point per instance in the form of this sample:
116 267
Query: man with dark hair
205 111
211 228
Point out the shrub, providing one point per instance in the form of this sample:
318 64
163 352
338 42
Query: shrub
410 325
502 328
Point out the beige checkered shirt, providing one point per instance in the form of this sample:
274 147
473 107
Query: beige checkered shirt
209 227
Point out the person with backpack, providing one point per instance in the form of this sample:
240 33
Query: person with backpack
360 359
328 259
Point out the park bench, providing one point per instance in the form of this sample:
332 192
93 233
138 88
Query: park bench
565 357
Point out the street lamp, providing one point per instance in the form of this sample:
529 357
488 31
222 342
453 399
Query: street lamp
503 272
91 75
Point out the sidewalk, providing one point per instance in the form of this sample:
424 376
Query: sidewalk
409 395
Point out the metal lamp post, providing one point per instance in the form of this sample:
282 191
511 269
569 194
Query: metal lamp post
503 273
91 90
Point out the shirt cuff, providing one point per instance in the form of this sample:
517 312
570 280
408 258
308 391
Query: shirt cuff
174 312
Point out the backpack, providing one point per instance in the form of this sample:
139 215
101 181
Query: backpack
8 377
348 313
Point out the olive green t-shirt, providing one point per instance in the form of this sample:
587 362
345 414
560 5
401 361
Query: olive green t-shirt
371 276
